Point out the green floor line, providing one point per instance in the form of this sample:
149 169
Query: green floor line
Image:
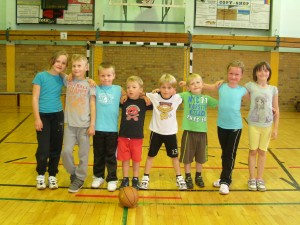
151 203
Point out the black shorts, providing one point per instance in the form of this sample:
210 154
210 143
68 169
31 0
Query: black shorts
156 141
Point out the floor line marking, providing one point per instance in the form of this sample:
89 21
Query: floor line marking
157 203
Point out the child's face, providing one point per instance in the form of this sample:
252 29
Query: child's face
134 90
79 69
234 76
195 86
60 64
263 75
106 76
166 90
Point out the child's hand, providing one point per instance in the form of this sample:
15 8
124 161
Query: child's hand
274 134
147 100
218 83
91 130
91 82
38 124
70 77
182 83
123 99
155 90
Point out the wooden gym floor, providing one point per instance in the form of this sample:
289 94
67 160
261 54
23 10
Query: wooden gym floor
22 203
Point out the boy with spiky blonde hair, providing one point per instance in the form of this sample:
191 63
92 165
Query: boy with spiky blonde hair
80 121
194 125
163 126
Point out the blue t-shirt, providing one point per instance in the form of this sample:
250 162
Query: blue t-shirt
107 108
229 111
50 92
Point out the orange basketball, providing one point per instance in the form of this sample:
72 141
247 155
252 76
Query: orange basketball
128 197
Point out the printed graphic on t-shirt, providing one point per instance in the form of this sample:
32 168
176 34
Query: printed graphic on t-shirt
132 112
77 97
105 98
261 113
197 108
165 108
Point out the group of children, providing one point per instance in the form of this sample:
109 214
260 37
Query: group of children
93 110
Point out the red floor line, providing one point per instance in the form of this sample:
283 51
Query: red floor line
170 167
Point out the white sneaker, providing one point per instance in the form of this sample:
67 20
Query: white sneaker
52 182
217 183
144 183
112 185
181 183
40 185
261 185
97 182
224 189
252 185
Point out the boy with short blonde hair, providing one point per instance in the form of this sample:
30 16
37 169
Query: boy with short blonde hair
131 133
80 122
163 126
194 125
105 140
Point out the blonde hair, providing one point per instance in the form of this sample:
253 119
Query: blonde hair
56 55
106 65
135 79
167 78
238 64
191 77
79 57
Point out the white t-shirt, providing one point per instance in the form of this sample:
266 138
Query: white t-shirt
261 113
163 119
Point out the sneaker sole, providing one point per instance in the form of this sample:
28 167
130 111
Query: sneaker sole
144 188
41 188
74 191
252 189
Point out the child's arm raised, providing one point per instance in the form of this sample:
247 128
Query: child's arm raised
213 87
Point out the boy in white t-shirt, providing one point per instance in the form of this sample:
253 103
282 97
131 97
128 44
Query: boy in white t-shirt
163 126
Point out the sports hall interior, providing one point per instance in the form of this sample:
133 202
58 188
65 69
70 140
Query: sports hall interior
148 40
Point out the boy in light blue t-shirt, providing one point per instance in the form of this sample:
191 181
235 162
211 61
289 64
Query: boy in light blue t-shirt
105 141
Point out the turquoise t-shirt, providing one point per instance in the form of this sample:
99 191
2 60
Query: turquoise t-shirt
229 111
195 111
107 108
50 92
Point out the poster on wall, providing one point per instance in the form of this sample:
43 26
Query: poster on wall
55 12
250 14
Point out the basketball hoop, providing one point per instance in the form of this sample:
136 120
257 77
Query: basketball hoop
145 3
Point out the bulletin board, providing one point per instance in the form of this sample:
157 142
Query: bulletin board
55 12
251 14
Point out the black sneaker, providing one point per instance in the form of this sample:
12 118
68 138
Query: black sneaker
125 182
199 181
136 183
189 183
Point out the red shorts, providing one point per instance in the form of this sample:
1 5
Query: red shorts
129 149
